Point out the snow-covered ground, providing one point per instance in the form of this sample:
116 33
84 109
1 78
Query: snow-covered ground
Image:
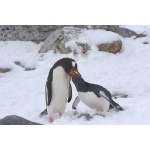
128 72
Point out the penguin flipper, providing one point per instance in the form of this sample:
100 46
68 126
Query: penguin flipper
70 93
48 91
76 102
97 94
110 100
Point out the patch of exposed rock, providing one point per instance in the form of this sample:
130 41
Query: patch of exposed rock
113 47
16 120
18 63
4 70
58 39
69 40
38 33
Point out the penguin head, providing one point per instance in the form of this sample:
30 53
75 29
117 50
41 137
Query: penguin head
70 66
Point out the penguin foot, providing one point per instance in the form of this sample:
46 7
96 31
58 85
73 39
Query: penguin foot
51 119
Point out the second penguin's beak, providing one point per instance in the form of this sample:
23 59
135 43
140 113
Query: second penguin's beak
73 72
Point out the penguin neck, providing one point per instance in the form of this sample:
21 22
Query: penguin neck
80 84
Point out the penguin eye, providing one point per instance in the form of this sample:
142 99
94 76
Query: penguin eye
73 63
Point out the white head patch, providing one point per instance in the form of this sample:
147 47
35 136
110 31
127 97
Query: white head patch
73 63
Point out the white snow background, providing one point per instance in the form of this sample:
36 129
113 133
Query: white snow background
127 72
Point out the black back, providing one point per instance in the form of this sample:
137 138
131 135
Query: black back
83 86
99 91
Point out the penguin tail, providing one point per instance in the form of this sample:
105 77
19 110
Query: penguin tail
116 106
119 108
43 113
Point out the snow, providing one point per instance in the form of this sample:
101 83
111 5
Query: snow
22 92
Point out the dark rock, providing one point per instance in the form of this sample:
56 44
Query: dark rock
145 42
4 70
18 63
16 120
29 69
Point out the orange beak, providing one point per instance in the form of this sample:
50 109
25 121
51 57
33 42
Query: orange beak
73 72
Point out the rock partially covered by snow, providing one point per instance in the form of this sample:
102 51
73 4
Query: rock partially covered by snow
84 47
38 33
113 47
78 41
16 120
57 40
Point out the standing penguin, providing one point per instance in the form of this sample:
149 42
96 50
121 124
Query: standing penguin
93 95
58 89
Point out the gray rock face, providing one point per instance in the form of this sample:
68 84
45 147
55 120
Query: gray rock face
57 40
38 33
34 33
66 40
16 120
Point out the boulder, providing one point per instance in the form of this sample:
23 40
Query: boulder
55 41
78 41
59 42
113 47
16 120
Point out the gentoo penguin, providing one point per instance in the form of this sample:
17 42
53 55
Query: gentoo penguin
58 89
93 95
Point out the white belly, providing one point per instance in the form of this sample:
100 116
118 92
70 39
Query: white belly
94 102
60 88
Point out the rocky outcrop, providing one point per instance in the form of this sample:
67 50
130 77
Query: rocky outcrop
56 41
77 41
113 47
34 33
16 120
64 41
38 33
